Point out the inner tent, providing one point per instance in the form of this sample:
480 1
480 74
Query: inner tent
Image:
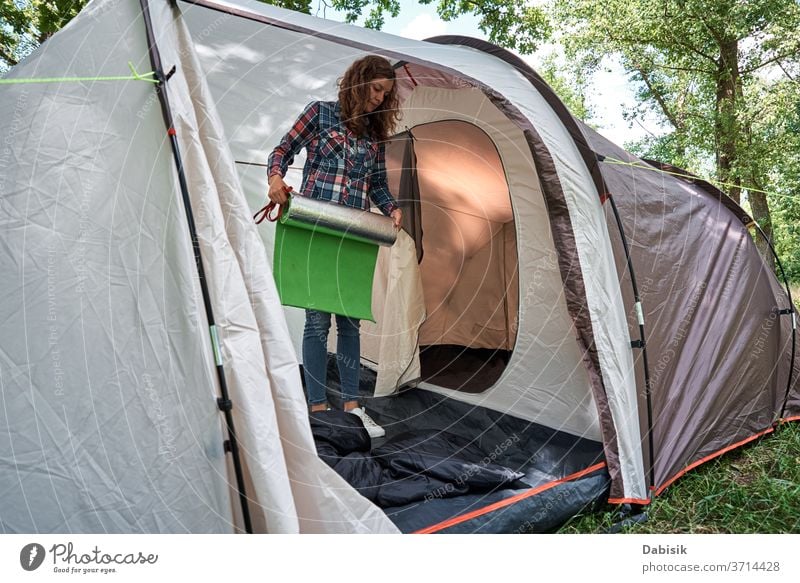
470 308
449 172
471 303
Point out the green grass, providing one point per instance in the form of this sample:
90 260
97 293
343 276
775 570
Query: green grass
755 489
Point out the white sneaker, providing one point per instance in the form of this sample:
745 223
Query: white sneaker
372 428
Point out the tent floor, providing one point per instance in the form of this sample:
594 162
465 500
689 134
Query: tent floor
472 370
544 455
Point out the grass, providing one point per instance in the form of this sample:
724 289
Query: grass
755 489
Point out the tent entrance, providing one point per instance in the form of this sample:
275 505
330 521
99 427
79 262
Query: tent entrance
461 368
467 251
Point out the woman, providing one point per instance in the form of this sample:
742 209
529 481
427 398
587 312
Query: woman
344 140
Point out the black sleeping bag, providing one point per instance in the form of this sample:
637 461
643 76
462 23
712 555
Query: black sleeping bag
407 467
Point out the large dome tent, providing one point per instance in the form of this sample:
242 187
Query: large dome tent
519 263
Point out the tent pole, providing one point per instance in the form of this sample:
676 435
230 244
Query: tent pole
786 311
224 401
641 343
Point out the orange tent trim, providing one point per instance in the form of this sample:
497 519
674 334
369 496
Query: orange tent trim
712 456
508 501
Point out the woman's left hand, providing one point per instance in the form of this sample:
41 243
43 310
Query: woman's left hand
397 217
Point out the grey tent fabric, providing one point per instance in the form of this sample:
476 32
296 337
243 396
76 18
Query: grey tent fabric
718 347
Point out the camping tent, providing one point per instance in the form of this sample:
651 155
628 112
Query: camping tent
122 357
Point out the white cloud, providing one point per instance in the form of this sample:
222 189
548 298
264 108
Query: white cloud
424 26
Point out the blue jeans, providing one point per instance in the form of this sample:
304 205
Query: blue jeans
315 355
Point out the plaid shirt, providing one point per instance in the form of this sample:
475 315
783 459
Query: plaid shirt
340 166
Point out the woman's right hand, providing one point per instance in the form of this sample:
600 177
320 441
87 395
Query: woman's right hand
278 189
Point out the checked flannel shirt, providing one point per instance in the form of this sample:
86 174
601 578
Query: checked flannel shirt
340 166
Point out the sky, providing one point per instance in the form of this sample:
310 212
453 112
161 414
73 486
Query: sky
609 94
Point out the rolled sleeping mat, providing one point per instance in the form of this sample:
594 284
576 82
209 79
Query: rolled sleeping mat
325 256
339 220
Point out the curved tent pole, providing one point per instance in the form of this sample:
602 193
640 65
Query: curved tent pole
786 311
223 402
641 343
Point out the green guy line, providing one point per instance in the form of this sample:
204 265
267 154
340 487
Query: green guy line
135 76
717 183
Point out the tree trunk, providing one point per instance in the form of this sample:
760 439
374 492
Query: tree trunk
761 214
729 143
726 127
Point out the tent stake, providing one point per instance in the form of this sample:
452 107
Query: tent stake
224 401
628 518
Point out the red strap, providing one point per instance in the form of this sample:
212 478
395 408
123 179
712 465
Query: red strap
265 213
410 76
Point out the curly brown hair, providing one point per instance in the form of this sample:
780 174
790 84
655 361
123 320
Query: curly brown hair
354 95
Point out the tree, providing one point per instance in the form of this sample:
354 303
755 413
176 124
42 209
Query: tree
571 88
514 24
701 65
25 24
774 123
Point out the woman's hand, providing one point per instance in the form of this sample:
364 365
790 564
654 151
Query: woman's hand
278 190
397 217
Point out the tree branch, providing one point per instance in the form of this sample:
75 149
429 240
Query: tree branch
714 34
659 98
695 50
641 125
785 72
7 57
645 42
689 69
772 60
